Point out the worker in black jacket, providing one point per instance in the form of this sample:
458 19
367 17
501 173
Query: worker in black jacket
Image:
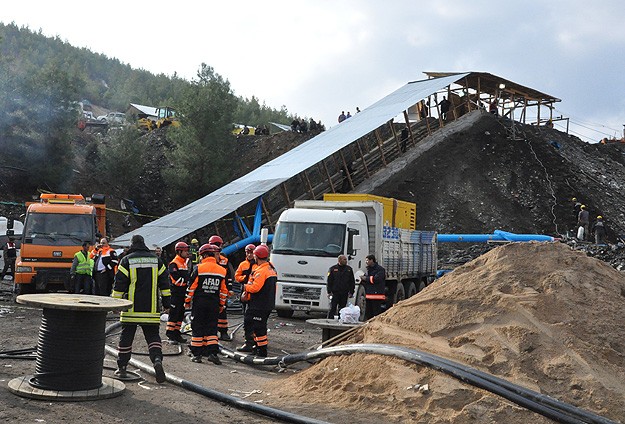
140 277
374 282
341 285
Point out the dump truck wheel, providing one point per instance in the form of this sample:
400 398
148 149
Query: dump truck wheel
400 293
361 302
411 290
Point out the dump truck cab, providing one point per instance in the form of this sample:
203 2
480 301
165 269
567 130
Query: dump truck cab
54 230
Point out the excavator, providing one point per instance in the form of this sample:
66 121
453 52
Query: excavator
165 116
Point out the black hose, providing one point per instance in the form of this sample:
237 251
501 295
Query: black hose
544 405
218 396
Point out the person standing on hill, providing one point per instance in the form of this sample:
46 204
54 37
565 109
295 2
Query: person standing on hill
342 117
140 277
445 106
374 282
599 229
341 285
583 220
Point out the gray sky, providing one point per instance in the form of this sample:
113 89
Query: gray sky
319 57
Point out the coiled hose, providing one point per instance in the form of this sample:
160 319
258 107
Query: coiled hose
545 405
267 411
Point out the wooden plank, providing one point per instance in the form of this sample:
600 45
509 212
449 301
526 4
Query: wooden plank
364 162
325 167
286 194
304 176
267 215
347 173
412 140
390 124
378 138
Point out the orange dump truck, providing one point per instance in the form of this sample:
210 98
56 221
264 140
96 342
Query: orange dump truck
54 229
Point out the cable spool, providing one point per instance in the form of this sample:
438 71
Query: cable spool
70 350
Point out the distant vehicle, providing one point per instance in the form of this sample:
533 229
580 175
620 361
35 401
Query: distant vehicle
88 115
113 118
166 116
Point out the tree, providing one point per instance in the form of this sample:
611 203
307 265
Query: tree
200 145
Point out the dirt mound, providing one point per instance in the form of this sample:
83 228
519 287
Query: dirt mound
537 314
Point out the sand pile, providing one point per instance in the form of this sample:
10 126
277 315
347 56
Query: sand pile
537 314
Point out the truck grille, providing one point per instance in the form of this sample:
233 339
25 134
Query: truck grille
301 293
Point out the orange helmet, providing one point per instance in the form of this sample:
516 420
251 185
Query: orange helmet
208 248
181 245
261 252
216 240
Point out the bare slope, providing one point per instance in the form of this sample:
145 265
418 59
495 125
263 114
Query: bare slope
537 314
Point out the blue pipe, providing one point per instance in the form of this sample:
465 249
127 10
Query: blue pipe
497 235
242 243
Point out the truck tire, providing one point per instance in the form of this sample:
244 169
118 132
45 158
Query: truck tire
285 313
421 286
400 293
411 289
361 302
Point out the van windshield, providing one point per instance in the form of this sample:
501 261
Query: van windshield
309 239
58 229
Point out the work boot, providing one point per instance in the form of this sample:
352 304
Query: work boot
247 347
261 351
121 371
197 359
214 359
176 338
225 336
160 372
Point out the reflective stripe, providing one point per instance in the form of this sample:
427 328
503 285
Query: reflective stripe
375 297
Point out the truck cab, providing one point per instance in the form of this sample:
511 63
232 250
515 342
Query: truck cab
305 245
54 230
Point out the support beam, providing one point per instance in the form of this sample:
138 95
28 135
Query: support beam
325 167
362 157
378 138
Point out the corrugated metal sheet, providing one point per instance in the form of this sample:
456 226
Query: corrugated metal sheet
228 198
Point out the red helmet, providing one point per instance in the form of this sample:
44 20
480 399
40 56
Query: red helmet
208 248
216 240
250 247
261 252
181 245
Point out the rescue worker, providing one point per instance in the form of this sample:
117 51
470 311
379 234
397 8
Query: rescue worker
244 270
583 220
599 229
80 272
374 282
207 298
340 285
105 266
222 260
576 209
179 281
260 293
194 255
140 277
10 255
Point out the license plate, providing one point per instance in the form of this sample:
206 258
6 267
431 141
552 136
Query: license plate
300 307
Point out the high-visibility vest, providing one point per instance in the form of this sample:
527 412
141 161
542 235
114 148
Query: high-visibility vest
85 264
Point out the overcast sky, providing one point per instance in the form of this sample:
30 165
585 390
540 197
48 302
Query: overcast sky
319 57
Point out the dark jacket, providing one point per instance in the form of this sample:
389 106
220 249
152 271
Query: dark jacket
140 276
374 281
341 279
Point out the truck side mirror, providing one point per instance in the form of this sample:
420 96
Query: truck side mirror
356 242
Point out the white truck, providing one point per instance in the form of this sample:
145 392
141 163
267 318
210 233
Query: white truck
310 236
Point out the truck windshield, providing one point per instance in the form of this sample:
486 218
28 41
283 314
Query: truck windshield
310 239
58 229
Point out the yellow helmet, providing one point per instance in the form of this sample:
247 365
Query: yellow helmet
574 199
194 241
582 207
599 217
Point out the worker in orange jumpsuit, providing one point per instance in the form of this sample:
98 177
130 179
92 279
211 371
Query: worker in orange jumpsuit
261 292
242 276
179 271
206 298
223 261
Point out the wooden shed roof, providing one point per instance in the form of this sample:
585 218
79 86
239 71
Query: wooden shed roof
489 83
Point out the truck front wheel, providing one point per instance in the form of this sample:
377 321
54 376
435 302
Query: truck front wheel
284 313
361 302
